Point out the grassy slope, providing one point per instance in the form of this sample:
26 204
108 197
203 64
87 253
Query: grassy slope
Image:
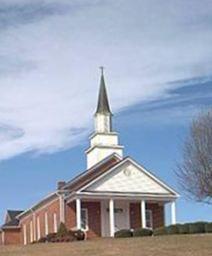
196 245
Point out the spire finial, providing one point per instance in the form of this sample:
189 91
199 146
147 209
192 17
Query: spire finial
102 70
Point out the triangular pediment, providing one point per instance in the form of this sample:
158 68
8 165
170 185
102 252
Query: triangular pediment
129 177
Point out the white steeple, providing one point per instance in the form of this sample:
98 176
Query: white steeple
104 141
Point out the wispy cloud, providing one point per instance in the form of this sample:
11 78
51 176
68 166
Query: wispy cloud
50 51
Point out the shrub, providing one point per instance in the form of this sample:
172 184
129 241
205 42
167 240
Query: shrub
173 229
197 227
42 240
51 237
142 232
123 233
208 227
160 231
184 228
77 235
62 230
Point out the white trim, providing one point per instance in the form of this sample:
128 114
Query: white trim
143 213
38 228
46 223
111 217
78 213
25 234
139 167
86 216
148 211
173 213
28 211
36 205
55 222
130 196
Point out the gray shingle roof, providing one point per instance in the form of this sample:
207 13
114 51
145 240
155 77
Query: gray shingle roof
11 220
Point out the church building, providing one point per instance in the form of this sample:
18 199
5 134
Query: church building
115 192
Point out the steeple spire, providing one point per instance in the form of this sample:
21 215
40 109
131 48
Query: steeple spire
103 106
104 140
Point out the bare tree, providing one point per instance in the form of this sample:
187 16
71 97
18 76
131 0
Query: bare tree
195 170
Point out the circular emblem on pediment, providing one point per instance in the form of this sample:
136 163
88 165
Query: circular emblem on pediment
128 172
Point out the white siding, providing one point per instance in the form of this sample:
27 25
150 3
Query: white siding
128 178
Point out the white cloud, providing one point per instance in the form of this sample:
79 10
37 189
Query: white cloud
48 65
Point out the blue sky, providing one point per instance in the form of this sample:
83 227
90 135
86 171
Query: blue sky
158 60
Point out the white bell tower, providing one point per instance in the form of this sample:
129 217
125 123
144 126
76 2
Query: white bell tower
103 142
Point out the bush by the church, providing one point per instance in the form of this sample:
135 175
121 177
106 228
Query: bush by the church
51 237
123 233
62 230
63 235
173 229
197 227
142 232
183 228
78 235
160 231
208 227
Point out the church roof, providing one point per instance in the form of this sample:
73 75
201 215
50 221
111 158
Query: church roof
79 181
12 214
11 220
92 173
103 106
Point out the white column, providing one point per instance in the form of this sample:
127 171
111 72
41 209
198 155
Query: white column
112 219
78 213
173 212
143 213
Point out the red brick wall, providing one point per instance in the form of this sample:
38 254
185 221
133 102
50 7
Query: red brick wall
135 215
94 217
51 208
0 238
12 236
157 214
70 215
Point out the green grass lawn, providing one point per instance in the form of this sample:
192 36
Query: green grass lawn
181 245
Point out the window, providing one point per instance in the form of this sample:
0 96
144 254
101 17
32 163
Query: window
149 223
84 218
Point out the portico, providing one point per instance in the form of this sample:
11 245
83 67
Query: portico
116 213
